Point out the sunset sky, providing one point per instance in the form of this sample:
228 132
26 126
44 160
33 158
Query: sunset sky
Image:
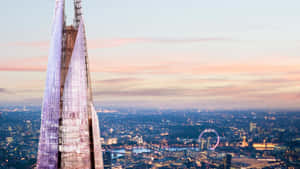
204 54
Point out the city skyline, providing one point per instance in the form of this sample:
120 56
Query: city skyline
165 54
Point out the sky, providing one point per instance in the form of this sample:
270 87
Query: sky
164 53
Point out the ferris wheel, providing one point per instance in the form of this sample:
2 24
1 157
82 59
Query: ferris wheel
210 131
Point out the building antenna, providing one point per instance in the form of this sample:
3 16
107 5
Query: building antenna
78 13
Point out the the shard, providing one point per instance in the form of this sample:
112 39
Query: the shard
69 134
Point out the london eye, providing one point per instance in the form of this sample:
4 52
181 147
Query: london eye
214 146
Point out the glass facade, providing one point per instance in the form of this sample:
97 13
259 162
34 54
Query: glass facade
48 144
75 138
69 136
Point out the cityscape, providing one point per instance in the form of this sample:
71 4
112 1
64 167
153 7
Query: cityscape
150 84
153 138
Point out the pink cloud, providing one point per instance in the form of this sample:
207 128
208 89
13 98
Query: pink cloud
110 43
25 64
22 69
119 81
193 68
116 42
41 44
234 92
39 64
5 91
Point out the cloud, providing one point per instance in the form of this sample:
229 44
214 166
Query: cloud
279 80
116 42
193 68
141 92
35 64
22 69
185 40
277 97
253 86
2 90
229 96
218 91
253 79
204 80
5 91
162 68
40 44
119 81
110 43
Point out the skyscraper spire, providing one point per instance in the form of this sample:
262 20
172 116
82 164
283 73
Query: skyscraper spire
69 135
78 12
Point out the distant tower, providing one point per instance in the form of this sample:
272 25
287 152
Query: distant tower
244 143
69 135
227 161
107 160
252 126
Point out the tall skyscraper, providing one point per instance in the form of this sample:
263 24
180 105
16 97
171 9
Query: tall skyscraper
69 135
